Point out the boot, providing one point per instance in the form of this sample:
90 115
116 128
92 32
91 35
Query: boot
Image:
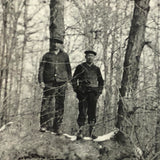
91 128
59 132
80 133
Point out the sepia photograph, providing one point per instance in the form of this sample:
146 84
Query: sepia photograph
80 80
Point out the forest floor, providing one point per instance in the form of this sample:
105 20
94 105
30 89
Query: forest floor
19 143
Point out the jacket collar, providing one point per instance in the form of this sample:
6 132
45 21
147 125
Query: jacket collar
52 52
89 64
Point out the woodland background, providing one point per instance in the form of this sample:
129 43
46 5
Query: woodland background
130 65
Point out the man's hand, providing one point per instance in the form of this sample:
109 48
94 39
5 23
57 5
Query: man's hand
99 92
42 85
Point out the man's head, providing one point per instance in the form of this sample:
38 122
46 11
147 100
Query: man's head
57 44
90 56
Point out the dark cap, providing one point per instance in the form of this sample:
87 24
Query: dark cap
58 40
90 52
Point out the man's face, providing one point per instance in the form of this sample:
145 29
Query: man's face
57 46
90 58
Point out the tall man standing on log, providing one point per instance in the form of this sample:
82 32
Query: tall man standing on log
88 84
54 73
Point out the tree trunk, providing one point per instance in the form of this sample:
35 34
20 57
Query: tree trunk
134 49
157 59
4 67
56 20
26 2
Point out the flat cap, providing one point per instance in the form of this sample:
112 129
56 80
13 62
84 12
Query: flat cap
90 52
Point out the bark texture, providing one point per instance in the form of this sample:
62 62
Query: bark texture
136 42
56 20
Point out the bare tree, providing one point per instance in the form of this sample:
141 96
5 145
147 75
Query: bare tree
136 42
8 43
56 19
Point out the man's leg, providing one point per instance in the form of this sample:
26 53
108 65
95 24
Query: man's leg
59 107
46 114
92 101
82 114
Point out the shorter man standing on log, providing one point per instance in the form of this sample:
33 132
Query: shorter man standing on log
88 84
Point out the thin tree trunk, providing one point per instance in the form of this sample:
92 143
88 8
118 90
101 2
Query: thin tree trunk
157 58
4 73
106 67
26 2
3 44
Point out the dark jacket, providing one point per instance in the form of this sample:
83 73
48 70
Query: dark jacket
89 77
54 68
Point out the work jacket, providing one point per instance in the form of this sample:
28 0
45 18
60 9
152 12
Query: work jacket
54 67
87 77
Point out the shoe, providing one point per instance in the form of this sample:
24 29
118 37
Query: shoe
79 135
42 129
53 133
93 136
59 132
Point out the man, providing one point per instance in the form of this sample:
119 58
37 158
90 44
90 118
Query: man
88 84
54 73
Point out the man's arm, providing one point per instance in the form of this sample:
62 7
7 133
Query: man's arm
41 71
100 81
76 77
68 66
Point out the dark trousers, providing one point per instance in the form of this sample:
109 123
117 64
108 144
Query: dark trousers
52 115
87 107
